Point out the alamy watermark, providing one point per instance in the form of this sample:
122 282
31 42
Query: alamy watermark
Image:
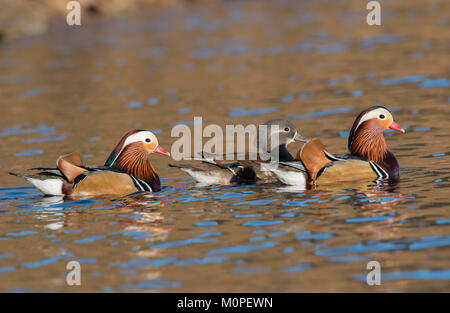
262 144
74 16
374 16
73 277
374 276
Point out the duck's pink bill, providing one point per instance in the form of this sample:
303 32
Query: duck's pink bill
160 150
395 126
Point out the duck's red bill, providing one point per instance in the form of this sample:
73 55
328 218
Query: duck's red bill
160 150
395 126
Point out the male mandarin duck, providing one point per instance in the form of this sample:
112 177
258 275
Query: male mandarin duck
369 157
243 167
126 171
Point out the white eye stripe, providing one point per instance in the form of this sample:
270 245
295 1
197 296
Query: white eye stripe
136 137
373 114
140 136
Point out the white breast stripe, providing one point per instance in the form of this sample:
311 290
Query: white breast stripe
382 170
332 157
138 185
379 170
148 188
375 170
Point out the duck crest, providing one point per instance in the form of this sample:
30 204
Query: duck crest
112 159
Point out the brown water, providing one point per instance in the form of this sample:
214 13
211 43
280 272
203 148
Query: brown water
314 62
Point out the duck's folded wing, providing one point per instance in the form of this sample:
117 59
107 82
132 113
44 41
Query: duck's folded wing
226 168
349 170
246 167
215 169
108 182
294 165
206 172
48 171
227 160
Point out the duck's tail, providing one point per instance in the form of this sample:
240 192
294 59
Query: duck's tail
50 185
58 181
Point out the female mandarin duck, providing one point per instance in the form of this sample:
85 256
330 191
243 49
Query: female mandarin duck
127 170
369 157
241 168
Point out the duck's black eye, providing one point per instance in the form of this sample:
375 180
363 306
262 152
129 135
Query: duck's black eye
148 140
286 129
382 117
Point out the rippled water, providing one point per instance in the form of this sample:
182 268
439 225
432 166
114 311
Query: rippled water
315 63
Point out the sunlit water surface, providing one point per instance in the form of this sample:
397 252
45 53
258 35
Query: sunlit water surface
316 63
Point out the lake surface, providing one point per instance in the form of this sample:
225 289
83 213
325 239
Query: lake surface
233 62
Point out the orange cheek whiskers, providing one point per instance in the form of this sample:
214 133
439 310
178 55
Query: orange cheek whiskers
369 144
134 160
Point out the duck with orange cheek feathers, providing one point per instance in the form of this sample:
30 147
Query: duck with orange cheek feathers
369 157
126 171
